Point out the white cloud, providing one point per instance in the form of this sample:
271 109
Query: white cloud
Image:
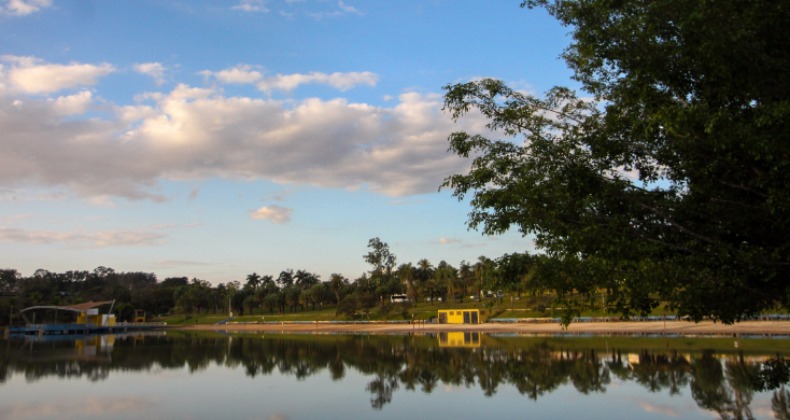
342 9
251 6
98 239
246 74
198 133
72 104
241 74
23 7
348 9
31 75
154 70
341 81
124 238
276 214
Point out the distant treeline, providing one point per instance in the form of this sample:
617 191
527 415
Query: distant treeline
549 283
290 291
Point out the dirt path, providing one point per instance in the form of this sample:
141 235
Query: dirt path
636 328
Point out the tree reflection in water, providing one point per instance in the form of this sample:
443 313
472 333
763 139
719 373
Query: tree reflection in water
724 384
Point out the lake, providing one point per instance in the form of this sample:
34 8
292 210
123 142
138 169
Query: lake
204 375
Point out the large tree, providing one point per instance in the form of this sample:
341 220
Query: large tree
381 258
667 178
8 280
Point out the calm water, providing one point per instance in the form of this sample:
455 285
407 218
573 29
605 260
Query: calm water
456 376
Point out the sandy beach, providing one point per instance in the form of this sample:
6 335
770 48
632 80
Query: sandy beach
772 328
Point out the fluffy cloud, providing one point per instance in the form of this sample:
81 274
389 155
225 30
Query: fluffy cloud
276 214
245 74
242 74
197 133
31 75
341 81
72 104
23 7
154 70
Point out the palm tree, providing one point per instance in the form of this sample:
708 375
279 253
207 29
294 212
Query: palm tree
465 276
446 276
286 278
406 276
336 282
305 279
423 274
253 280
266 281
484 273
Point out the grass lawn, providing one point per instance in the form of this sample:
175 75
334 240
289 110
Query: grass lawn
525 307
388 312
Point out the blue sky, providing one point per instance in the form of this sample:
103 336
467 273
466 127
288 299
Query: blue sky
213 139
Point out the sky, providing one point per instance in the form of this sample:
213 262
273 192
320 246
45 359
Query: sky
212 139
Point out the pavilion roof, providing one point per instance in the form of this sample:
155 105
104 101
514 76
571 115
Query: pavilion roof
77 307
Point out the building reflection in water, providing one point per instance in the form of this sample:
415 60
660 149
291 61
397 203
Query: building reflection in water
719 377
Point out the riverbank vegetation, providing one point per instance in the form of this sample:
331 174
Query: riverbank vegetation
518 285
511 286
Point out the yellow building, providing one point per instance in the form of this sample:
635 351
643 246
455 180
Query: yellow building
459 316
93 317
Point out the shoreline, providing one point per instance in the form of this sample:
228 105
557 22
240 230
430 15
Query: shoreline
636 328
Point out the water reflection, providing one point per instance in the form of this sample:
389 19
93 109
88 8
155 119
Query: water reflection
720 381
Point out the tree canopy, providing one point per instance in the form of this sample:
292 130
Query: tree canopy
667 177
380 257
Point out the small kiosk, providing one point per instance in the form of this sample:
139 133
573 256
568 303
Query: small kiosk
459 316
